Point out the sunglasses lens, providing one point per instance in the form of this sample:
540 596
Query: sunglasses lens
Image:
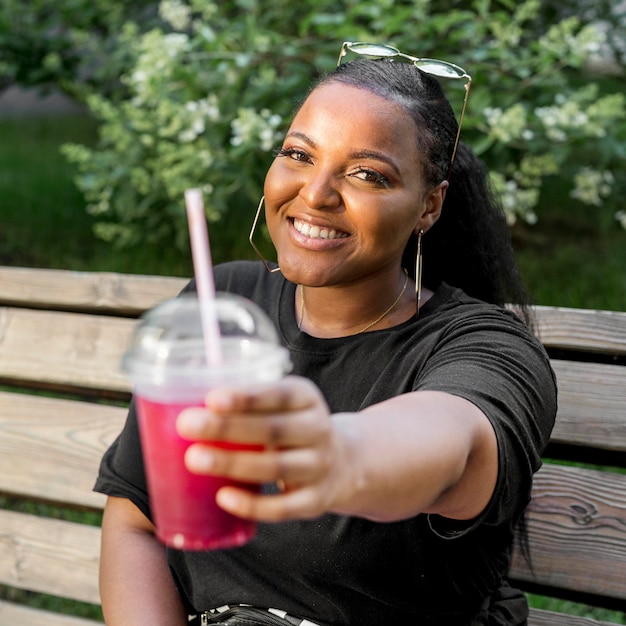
372 49
438 68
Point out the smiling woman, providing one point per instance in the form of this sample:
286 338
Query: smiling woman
415 417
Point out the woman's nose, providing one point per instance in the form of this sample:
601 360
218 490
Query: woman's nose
320 191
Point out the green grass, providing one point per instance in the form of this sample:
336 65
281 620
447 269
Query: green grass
47 602
572 257
43 219
574 608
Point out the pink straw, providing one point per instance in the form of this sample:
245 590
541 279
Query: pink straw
203 269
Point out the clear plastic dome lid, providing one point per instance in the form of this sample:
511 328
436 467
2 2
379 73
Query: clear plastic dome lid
168 344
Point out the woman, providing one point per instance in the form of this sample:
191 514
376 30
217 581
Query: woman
404 445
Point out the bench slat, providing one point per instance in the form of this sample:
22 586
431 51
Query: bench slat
49 556
577 531
582 329
130 294
50 449
592 400
15 614
125 294
63 350
538 617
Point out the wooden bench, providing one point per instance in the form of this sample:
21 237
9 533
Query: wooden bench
62 401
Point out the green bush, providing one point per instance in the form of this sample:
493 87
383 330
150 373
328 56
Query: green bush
71 44
208 89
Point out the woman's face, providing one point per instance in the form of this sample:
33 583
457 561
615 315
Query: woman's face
345 192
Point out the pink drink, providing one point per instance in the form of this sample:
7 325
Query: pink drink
183 504
169 367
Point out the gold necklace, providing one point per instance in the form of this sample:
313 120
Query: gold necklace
378 319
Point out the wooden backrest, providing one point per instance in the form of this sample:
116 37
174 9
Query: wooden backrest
62 400
577 518
50 446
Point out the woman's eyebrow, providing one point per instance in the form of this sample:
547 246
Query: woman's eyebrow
378 156
303 137
357 154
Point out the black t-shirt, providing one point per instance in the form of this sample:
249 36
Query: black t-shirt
339 570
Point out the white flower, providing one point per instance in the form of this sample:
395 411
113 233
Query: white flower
508 125
175 43
556 134
206 158
187 136
138 77
530 218
517 201
591 186
176 13
251 126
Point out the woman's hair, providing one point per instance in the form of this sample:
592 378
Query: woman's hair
470 245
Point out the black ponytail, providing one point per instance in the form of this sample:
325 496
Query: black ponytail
470 245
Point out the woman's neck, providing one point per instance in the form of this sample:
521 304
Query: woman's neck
343 310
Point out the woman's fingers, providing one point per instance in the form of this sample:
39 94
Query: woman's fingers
289 394
297 428
304 503
291 413
294 466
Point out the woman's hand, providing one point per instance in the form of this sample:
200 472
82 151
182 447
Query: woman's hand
300 450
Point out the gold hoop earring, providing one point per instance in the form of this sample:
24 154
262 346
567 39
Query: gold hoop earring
418 273
258 252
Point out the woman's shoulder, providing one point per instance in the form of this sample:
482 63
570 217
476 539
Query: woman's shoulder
239 277
453 306
248 278
455 301
238 270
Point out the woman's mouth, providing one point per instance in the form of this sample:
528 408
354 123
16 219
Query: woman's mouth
317 232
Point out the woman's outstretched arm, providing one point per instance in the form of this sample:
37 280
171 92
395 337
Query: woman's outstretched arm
420 452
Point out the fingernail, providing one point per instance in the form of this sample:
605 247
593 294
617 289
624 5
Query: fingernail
190 422
227 500
199 459
219 400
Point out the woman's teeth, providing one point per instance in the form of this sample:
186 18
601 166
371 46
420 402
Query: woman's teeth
315 232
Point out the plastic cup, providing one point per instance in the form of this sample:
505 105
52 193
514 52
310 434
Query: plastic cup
167 365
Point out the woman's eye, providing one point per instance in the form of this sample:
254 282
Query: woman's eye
295 154
372 176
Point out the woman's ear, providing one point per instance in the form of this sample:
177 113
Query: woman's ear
433 202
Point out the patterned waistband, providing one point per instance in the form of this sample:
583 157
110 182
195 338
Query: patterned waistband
250 615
